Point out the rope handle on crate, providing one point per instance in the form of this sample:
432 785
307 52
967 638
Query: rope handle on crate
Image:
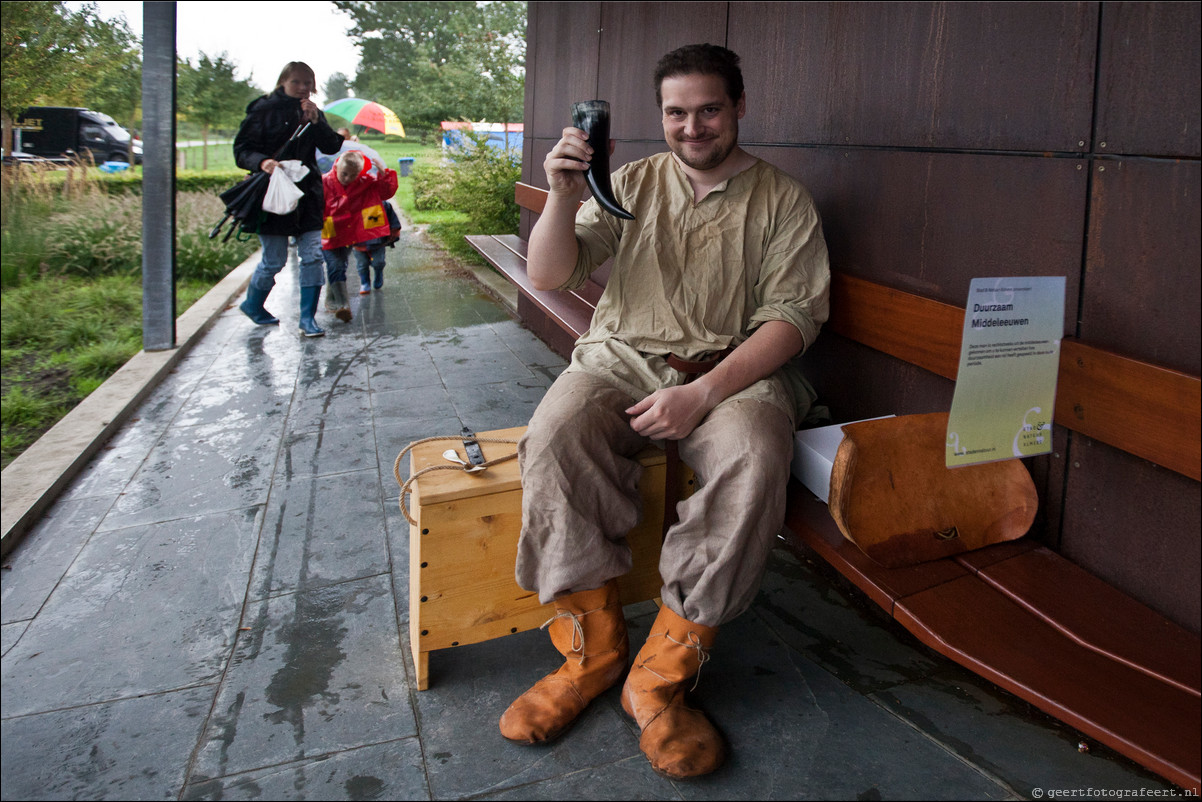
465 468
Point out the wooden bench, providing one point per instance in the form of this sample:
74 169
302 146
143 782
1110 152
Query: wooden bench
559 318
1018 614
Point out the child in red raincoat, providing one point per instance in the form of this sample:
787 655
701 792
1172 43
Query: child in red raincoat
355 203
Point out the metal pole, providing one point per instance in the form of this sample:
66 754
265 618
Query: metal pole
158 176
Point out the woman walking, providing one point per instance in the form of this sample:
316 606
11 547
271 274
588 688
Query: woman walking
267 132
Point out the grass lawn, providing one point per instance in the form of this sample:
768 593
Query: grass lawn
62 351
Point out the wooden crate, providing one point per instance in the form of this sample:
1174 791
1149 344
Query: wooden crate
463 549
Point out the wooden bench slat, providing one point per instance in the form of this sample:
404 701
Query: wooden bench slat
912 328
530 197
1149 721
1100 618
1019 619
808 519
566 309
589 294
1144 409
518 246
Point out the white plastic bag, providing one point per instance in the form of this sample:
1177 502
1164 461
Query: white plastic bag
282 194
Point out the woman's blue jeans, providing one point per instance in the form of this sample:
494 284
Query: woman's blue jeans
275 256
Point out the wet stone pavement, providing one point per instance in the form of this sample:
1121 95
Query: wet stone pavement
217 607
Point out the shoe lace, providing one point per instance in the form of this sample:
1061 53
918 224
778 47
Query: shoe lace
577 631
691 642
577 646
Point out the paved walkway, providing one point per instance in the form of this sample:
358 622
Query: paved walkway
217 607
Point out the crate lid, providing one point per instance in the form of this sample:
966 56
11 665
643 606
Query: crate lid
438 487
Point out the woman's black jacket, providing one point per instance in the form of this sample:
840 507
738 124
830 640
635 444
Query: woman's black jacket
270 121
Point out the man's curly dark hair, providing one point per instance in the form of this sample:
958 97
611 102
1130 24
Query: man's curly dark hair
701 60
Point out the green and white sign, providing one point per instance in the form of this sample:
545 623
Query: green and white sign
1009 359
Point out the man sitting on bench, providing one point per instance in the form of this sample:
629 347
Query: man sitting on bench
725 254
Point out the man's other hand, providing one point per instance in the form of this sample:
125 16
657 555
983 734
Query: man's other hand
671 413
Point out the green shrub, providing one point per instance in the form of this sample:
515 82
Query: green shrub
23 244
130 181
213 182
482 186
196 256
72 297
127 183
82 332
432 187
98 235
24 323
95 234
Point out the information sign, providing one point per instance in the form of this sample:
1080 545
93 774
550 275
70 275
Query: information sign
1009 359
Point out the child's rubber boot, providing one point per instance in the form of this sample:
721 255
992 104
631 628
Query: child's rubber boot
342 306
365 281
379 277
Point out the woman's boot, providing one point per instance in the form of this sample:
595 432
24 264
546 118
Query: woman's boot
308 308
589 630
252 307
678 740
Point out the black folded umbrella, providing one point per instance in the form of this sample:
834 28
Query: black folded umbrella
243 203
244 200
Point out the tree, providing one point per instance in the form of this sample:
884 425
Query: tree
337 87
211 95
433 61
51 55
110 74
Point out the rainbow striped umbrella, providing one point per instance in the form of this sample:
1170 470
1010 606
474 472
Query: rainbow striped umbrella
367 113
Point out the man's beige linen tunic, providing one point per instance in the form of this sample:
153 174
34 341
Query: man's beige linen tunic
693 279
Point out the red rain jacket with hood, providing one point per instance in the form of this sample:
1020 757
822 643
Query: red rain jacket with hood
355 212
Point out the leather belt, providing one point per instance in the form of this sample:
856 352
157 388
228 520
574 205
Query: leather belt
671 451
694 369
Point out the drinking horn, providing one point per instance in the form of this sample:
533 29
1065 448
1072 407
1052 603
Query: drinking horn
592 117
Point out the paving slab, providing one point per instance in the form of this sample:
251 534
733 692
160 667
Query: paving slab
314 673
143 609
321 531
131 749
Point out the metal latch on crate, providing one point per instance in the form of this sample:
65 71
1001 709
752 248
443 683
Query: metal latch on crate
472 448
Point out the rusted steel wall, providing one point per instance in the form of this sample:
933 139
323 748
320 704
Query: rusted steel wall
945 141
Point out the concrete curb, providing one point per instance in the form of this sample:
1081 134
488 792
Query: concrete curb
33 480
499 287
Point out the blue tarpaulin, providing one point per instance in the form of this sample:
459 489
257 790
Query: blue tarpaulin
500 135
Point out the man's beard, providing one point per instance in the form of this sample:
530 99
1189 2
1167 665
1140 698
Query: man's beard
707 160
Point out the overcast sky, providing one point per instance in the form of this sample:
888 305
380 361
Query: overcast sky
260 37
